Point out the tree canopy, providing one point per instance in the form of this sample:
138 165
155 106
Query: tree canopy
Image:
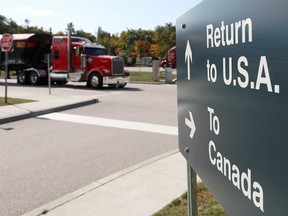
130 43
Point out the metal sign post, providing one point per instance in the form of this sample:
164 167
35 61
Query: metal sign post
6 45
48 71
192 192
6 75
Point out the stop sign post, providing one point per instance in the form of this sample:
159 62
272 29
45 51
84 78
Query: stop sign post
6 45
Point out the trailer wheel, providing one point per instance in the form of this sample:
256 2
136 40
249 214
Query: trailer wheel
95 81
34 78
22 77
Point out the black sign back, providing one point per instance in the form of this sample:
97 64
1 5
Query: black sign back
232 63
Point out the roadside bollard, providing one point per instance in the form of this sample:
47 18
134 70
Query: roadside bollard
168 75
155 71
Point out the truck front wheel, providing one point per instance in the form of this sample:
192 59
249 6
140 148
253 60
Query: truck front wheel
22 77
95 81
122 85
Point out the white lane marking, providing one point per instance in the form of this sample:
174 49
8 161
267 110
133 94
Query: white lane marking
154 128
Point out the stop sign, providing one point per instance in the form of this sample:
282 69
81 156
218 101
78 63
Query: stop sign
6 42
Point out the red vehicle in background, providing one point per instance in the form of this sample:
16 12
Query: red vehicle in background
72 59
170 60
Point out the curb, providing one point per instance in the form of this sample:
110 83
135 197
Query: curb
161 82
31 114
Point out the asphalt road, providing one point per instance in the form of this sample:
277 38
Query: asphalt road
42 159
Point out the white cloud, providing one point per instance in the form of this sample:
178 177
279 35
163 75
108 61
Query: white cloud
35 12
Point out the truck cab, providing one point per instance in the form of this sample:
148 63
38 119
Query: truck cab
84 61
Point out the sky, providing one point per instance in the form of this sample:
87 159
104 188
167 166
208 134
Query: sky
113 16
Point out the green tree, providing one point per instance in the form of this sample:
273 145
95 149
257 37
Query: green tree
122 44
130 43
60 33
142 45
114 42
165 38
14 28
109 41
4 27
84 34
27 23
10 26
131 37
136 42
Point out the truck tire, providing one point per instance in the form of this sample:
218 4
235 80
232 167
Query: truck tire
22 77
95 81
122 85
34 78
164 65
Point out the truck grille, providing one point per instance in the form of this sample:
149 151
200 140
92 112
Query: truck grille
117 66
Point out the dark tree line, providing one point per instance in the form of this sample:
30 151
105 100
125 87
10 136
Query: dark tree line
129 43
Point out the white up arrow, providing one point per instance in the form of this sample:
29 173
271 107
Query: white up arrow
188 57
190 123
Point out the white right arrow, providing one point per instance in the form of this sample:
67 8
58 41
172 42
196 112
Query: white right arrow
188 57
190 123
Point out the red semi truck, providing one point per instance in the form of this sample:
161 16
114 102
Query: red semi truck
72 59
170 60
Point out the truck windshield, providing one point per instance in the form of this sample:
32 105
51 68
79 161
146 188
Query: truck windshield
95 51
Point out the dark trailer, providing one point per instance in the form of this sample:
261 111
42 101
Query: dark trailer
28 57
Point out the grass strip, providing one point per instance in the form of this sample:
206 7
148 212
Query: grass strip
207 205
13 101
147 77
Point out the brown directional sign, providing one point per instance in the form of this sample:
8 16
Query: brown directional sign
232 64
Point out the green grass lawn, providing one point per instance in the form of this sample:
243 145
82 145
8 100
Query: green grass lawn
13 101
135 76
207 205
147 77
